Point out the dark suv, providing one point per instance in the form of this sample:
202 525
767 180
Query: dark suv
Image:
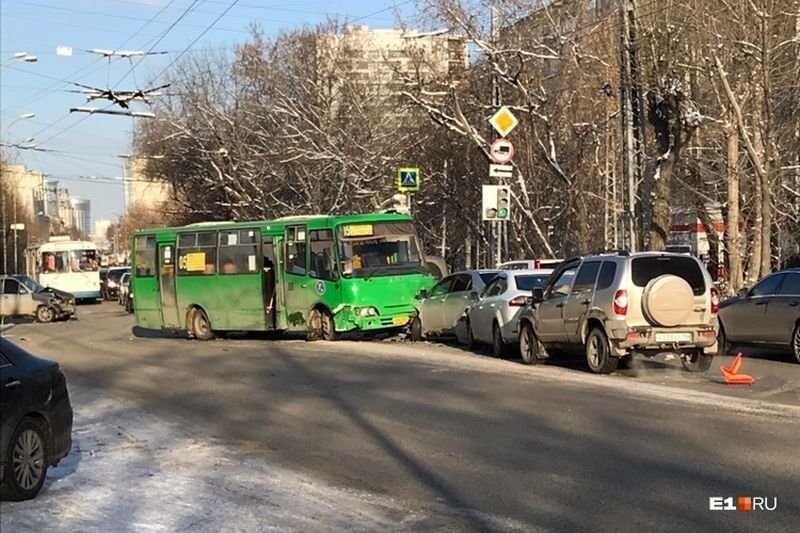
109 286
611 306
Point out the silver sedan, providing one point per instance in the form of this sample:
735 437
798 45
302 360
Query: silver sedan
440 309
493 318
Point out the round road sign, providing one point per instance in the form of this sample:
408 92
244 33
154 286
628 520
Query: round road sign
501 151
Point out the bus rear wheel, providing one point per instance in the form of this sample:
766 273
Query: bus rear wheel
201 327
320 325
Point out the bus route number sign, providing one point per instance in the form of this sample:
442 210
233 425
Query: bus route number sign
358 230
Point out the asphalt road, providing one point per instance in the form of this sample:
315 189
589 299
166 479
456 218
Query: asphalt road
470 442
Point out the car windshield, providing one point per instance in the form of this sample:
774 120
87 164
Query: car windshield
646 269
116 275
530 281
379 248
31 283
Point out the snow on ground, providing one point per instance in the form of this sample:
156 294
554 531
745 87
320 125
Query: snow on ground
131 471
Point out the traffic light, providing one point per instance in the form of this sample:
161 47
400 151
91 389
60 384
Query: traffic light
503 202
496 202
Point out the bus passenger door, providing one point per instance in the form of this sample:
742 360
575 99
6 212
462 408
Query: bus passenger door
297 289
166 286
269 275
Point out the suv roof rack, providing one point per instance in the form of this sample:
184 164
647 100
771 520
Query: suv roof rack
623 253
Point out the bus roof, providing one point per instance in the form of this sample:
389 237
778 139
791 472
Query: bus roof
285 221
59 245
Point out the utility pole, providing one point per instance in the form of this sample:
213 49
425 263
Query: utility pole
499 226
629 159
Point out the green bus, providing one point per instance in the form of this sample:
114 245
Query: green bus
320 274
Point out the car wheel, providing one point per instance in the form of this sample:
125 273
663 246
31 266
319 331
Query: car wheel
26 461
415 329
598 353
796 343
201 327
471 342
696 361
530 348
499 347
44 314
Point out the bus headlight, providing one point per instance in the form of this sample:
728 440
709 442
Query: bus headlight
365 311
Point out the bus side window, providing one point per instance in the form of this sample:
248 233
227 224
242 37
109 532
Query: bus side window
295 257
322 255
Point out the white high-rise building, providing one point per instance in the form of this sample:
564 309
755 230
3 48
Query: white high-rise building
82 215
101 230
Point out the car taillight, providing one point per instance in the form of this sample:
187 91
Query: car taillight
537 264
61 378
519 301
714 301
621 302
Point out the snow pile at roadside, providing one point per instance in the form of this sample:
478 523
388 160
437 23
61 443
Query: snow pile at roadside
131 471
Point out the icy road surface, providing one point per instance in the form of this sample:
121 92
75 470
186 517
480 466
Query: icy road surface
131 471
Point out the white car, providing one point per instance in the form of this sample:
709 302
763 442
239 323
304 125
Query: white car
530 264
493 318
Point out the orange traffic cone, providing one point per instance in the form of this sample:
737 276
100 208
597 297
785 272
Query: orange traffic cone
731 373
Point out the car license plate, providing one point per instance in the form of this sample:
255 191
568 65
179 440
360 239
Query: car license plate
673 337
399 320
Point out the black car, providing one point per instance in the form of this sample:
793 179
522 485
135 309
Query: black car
36 422
766 315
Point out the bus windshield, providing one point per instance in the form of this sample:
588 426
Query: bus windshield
69 261
379 248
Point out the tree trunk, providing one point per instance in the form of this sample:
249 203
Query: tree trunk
733 244
662 216
754 270
765 206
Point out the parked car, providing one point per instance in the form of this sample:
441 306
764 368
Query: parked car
611 306
24 296
530 264
766 314
36 426
109 287
493 318
124 286
439 309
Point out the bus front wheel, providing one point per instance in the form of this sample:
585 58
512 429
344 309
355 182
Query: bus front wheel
320 325
201 328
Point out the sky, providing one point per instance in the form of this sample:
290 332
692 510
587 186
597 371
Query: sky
88 146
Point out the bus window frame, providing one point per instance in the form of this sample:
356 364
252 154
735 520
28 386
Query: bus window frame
334 274
290 237
257 244
152 250
181 272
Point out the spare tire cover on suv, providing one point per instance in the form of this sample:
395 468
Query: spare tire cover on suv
667 301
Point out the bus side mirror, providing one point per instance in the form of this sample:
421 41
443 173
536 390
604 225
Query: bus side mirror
537 295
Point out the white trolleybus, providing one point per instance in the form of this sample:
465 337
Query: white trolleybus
67 265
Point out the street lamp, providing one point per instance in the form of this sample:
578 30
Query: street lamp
25 57
24 116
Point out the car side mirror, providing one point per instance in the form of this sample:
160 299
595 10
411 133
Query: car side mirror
474 296
422 294
537 295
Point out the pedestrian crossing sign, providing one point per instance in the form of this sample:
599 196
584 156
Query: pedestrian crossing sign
408 179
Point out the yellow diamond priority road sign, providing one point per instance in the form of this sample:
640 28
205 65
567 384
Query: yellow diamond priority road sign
503 121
